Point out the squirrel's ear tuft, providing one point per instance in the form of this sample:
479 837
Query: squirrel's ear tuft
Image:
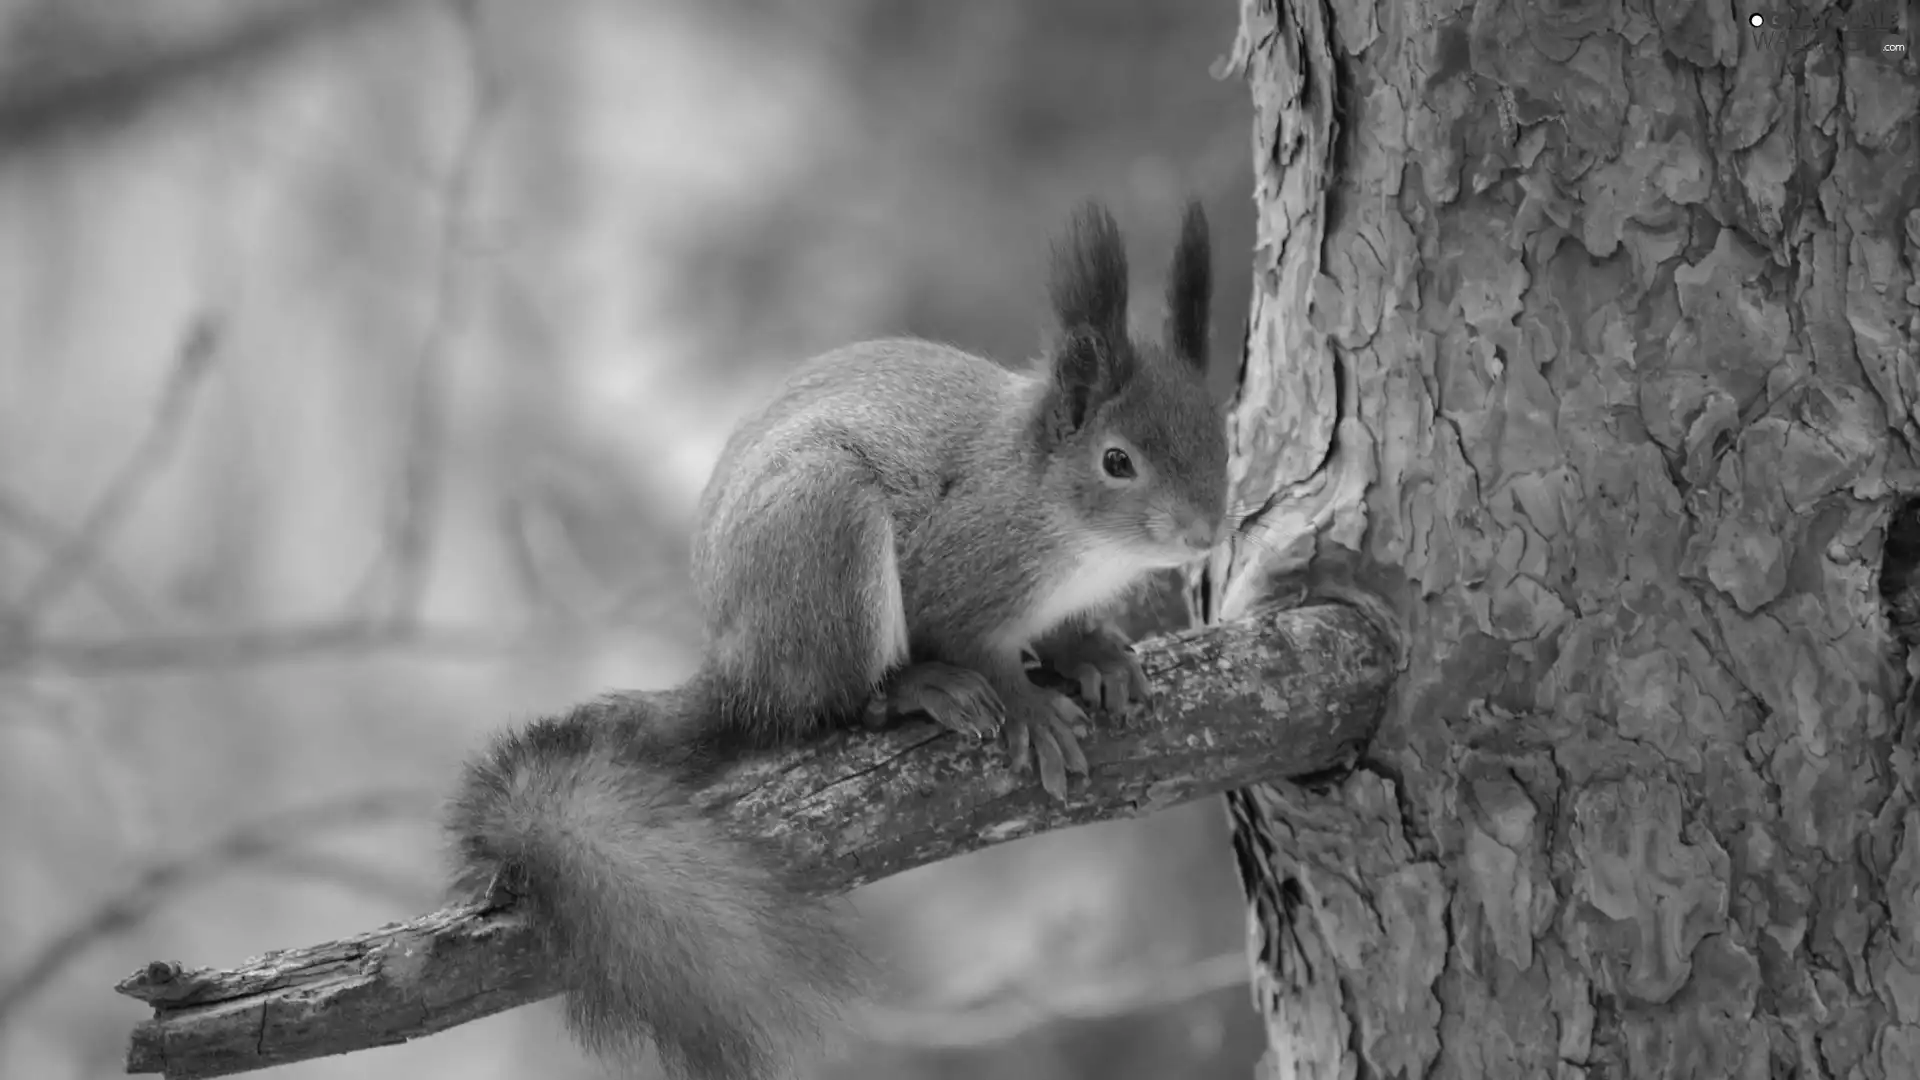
1190 289
1078 377
1089 287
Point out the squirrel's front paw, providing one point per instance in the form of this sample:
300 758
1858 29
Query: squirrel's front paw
959 699
1103 665
1040 731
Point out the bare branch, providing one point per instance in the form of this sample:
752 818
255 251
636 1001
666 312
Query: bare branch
155 447
85 71
115 591
402 564
254 841
1277 695
410 890
264 645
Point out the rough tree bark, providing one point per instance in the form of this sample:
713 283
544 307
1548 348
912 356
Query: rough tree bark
1604 316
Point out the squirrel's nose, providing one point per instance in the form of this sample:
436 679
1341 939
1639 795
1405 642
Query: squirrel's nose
1199 533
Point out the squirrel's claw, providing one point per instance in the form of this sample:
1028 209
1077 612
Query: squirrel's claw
959 699
1038 723
1138 683
1040 731
1102 664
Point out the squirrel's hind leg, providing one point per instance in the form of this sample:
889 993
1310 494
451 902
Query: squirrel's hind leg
800 577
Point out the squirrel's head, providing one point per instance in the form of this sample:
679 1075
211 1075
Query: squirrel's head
1131 438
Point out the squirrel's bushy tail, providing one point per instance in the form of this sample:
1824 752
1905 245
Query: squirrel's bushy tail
661 927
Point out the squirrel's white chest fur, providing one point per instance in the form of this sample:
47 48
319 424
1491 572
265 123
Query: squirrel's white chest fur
1104 573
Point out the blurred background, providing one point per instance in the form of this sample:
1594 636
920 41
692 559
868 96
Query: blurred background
360 362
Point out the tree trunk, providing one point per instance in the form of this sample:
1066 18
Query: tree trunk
1593 326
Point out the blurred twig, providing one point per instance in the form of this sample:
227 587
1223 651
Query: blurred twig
405 890
51 703
514 523
267 645
1104 996
72 560
384 613
255 841
403 561
71 68
116 592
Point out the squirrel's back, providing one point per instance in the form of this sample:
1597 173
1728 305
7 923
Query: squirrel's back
808 525
910 409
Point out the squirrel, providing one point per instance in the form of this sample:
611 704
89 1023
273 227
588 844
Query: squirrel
887 538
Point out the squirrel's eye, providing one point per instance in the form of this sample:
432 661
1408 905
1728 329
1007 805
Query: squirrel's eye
1117 463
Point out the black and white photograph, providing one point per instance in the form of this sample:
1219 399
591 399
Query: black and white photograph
970 540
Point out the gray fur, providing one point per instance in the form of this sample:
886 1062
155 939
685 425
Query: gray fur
663 928
1190 289
989 476
987 483
1089 284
